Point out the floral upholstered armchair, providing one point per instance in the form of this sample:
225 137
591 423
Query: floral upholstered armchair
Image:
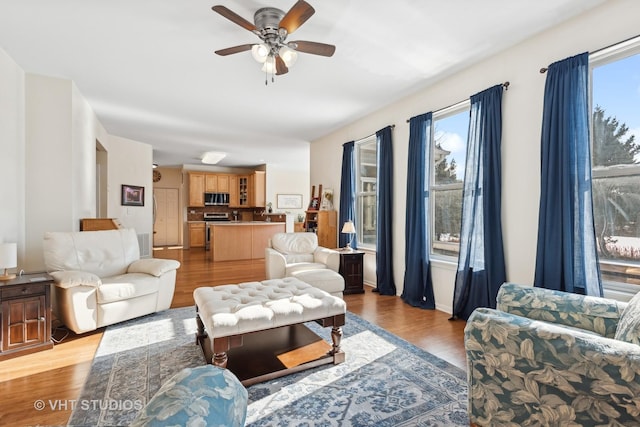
555 359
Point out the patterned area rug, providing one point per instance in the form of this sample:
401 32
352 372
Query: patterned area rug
385 380
133 360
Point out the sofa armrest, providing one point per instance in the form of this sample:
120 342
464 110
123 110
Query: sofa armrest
275 264
329 257
71 278
594 314
523 370
153 266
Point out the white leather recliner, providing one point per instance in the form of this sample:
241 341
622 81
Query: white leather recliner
292 252
100 278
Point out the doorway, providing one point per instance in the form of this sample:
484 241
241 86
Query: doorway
166 227
102 160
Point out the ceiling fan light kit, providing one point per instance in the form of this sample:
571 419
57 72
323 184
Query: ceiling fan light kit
273 26
260 52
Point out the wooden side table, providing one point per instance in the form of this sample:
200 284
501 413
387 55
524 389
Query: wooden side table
25 313
351 268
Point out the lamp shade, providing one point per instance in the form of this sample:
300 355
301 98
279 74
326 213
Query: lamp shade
348 227
269 65
288 55
260 52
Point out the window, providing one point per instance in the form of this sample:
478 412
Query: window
616 161
366 196
449 150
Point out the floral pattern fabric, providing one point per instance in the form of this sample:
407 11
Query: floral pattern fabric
549 358
629 327
197 397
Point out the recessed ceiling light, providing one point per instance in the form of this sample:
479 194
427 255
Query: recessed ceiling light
212 157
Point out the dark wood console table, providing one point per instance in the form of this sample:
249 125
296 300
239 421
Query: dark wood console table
25 313
351 268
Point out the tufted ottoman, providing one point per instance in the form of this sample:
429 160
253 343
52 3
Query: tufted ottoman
228 312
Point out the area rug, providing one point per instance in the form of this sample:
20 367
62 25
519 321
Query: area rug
133 360
385 381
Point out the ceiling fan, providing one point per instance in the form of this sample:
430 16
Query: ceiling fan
273 26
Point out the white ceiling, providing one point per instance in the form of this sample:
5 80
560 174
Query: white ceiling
148 68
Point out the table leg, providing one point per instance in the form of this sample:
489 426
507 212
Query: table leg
336 352
200 333
219 359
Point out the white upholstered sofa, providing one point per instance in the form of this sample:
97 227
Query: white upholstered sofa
298 255
100 278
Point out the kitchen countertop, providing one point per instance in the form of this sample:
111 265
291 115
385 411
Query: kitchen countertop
227 223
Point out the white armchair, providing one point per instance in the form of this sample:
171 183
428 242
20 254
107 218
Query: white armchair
290 253
100 278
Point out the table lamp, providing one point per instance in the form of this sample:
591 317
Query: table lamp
8 259
349 229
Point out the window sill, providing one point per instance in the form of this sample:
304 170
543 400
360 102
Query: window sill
445 264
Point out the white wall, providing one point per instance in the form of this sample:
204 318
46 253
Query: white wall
48 137
12 185
291 179
49 185
614 21
130 163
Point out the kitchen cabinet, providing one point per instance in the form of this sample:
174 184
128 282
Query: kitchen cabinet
234 192
243 191
323 223
25 307
216 183
258 189
197 236
251 191
196 189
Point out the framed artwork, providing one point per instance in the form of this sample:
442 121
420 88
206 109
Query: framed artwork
132 195
289 201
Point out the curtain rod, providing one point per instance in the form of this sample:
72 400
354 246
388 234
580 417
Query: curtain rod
602 49
505 85
373 134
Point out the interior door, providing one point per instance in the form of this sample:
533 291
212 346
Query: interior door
167 226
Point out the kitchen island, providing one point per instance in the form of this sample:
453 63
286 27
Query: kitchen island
240 240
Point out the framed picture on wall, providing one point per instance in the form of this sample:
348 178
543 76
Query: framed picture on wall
289 201
132 195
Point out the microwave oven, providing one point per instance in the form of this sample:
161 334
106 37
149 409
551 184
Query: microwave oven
215 199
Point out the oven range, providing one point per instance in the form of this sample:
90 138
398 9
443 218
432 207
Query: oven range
210 218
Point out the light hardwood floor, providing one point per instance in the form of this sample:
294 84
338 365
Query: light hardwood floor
54 378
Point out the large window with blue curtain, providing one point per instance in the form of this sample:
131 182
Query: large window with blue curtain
449 136
615 154
366 192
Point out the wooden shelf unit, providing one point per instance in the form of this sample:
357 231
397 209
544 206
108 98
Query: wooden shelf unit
324 224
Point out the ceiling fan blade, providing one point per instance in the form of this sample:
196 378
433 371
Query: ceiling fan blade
281 67
234 49
296 16
313 47
234 17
